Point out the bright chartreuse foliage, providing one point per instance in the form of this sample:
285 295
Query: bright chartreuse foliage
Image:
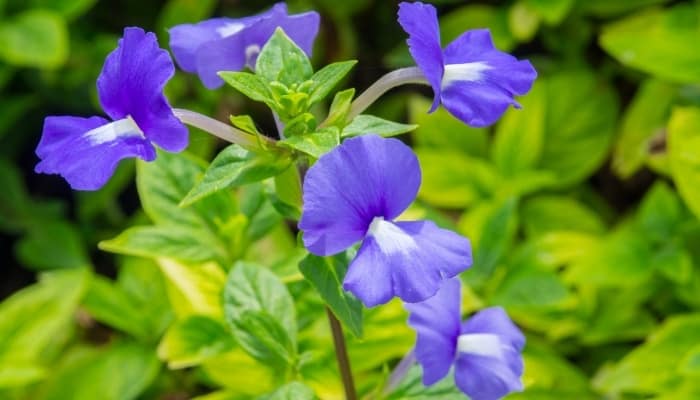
582 208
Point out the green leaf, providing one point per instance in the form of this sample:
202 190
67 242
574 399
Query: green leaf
369 124
34 321
176 12
454 180
551 11
52 245
234 167
262 336
674 262
35 38
661 212
523 21
662 42
249 84
621 259
340 108
190 341
194 289
441 129
288 188
163 183
111 305
652 368
547 213
314 144
475 16
291 391
643 122
530 288
260 312
684 154
578 127
281 60
496 233
326 276
121 371
173 241
518 143
411 387
245 123
70 9
606 8
241 375
325 79
17 375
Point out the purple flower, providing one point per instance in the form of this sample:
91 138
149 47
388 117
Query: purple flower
227 44
473 80
484 350
354 193
86 151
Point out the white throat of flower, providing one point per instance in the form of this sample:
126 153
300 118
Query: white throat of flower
481 344
389 237
470 72
230 29
122 128
251 52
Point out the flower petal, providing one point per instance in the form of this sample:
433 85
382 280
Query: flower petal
496 321
79 150
131 84
437 323
415 257
480 81
363 178
232 50
485 378
301 28
421 23
186 39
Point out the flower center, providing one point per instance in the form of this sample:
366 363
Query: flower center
389 237
251 53
122 128
230 29
481 344
470 72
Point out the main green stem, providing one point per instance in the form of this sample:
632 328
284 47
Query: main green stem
341 354
219 129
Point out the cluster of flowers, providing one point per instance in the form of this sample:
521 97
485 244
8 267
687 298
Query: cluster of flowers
353 193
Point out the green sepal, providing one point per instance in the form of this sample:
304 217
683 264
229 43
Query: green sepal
314 144
325 79
234 167
283 61
366 124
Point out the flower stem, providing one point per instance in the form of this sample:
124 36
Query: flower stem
219 129
341 354
402 76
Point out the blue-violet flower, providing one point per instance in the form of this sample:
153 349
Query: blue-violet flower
485 350
353 193
473 80
86 151
227 44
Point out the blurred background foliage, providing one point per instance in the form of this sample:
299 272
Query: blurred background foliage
582 208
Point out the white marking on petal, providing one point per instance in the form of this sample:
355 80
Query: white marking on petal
125 127
230 29
389 237
481 344
470 72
